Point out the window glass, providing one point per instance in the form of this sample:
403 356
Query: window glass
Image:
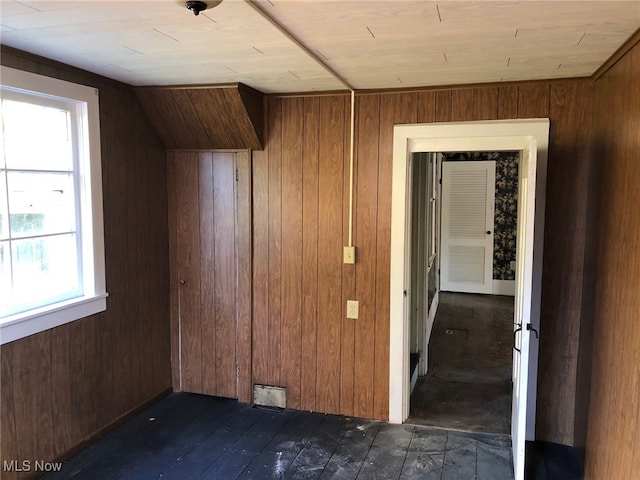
37 137
41 203
39 208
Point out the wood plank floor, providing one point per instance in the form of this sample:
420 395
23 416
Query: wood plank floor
189 436
468 386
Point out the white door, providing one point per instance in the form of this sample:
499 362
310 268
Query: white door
522 310
468 191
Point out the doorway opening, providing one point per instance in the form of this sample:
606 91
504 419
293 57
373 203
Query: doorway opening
530 137
463 242
468 384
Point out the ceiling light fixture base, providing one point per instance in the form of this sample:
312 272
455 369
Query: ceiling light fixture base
196 6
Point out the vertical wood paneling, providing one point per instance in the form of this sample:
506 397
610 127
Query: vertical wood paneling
32 407
66 356
614 410
8 437
443 106
347 352
426 107
96 351
507 102
243 245
565 223
69 383
207 241
275 243
292 137
359 359
152 245
533 100
260 261
366 223
188 226
485 103
462 105
394 109
329 253
174 278
358 355
310 212
135 197
118 276
224 250
216 231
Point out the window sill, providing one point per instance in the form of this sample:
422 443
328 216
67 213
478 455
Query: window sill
22 325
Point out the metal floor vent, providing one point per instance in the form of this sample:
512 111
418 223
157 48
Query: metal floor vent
269 396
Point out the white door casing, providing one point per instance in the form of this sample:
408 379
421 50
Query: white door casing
468 202
522 307
505 135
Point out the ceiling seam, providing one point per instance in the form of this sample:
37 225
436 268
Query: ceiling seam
300 45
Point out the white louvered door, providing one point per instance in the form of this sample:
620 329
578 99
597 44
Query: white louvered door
468 190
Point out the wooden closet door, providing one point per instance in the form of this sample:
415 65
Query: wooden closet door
209 256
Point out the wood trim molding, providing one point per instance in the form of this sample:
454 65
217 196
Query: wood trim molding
431 88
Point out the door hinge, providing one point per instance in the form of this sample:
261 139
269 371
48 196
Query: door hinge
237 370
237 175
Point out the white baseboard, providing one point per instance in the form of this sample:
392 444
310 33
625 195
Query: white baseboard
504 287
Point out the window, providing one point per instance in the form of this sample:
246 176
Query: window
51 232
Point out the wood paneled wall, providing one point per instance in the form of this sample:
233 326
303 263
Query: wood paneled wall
613 441
301 338
62 386
222 116
210 258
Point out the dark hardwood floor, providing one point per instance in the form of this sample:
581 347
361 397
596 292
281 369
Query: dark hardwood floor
189 436
468 385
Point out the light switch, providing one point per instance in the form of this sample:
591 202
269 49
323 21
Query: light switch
349 255
352 309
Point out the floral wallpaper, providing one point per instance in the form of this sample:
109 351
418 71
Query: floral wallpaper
506 210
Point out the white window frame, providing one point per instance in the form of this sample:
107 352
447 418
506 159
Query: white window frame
91 219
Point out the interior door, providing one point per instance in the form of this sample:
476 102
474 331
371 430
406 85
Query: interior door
209 224
468 201
522 309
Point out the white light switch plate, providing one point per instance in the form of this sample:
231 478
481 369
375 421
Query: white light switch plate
349 254
352 309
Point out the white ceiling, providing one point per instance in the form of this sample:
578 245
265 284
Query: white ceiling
371 44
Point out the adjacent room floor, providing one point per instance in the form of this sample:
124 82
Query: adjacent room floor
189 436
468 385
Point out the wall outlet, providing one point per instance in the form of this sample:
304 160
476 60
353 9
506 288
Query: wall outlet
352 309
512 265
349 254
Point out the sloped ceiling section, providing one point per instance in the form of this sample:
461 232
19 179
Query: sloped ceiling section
206 117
